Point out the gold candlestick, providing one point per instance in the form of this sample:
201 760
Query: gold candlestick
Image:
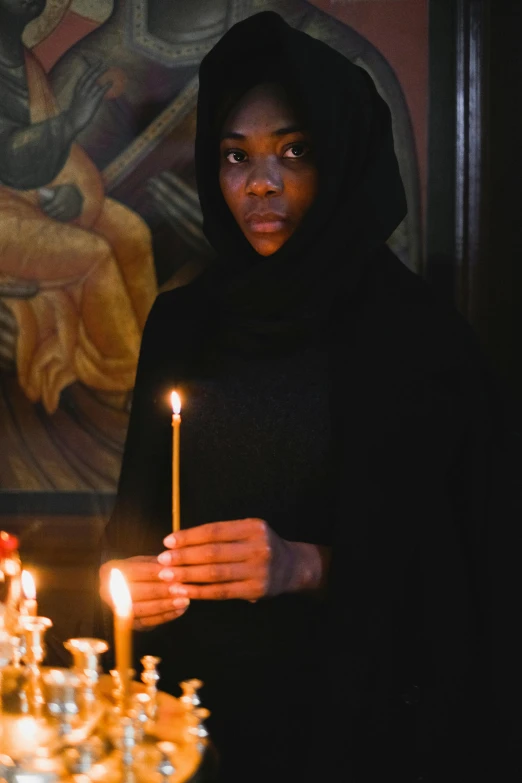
150 677
176 422
122 602
86 654
34 629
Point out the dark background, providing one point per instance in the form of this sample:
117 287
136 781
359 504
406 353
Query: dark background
501 300
486 282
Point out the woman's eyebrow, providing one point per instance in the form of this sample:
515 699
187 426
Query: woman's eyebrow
279 132
232 135
287 130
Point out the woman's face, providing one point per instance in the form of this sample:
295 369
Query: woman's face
267 174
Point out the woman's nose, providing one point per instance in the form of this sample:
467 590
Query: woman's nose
265 179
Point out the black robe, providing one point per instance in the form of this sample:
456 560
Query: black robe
327 391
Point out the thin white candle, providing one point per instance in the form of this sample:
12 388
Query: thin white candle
176 422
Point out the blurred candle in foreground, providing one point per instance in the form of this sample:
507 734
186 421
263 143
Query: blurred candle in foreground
176 421
28 605
122 603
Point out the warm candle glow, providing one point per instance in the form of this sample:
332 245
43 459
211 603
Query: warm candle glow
28 585
28 605
122 601
120 594
175 401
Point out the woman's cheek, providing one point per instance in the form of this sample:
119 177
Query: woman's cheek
232 187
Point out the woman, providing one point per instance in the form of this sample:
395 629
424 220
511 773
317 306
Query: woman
338 433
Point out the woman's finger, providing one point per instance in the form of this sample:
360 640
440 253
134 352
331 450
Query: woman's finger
213 572
211 532
210 553
149 591
139 571
143 609
135 570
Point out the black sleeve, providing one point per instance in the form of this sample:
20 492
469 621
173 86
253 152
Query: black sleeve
424 578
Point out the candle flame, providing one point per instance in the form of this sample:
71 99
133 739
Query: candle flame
28 586
120 593
175 401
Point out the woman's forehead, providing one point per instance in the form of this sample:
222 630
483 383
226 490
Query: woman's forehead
263 107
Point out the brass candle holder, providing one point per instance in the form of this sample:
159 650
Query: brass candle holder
86 654
33 630
77 724
150 677
61 688
190 697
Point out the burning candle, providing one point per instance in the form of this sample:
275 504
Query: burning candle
122 602
176 421
28 605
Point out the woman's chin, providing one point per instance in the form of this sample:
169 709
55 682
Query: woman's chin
267 244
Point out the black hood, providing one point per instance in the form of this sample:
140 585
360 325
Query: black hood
360 200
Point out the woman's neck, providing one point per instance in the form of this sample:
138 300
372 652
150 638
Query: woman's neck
11 46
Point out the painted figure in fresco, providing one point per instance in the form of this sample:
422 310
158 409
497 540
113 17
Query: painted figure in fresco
87 257
142 138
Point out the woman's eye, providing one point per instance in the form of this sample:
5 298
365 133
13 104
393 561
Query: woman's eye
296 150
235 156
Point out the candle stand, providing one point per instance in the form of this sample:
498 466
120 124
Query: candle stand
71 724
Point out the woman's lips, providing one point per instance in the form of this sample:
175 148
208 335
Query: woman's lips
265 224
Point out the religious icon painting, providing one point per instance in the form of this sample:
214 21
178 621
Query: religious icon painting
99 208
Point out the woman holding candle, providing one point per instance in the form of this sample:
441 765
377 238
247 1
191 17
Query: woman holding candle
341 433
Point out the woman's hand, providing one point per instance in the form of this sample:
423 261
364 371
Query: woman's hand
152 602
242 558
